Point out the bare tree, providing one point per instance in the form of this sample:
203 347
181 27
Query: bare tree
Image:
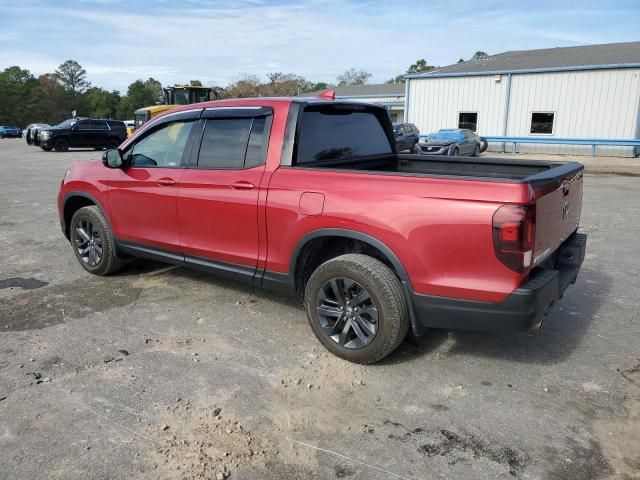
353 77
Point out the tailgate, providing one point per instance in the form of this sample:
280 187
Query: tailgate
557 216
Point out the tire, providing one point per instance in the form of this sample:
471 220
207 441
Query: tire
112 144
455 152
61 145
46 149
95 226
385 295
483 144
414 149
476 151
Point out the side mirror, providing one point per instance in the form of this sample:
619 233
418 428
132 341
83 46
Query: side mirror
112 158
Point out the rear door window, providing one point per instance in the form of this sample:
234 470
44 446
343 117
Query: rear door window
234 143
98 125
224 143
328 132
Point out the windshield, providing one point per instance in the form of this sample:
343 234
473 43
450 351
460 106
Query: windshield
444 136
201 96
67 123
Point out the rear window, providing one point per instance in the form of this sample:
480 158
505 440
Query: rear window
341 132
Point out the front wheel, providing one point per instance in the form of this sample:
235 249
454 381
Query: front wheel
46 149
454 152
92 242
476 151
356 308
112 144
61 145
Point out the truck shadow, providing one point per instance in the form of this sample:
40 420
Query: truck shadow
562 332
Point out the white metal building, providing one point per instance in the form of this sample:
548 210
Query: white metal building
588 92
389 95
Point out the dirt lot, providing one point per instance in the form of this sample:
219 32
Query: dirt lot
160 372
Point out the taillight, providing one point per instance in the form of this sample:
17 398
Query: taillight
514 236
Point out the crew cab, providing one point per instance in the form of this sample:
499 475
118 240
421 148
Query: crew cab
309 196
73 133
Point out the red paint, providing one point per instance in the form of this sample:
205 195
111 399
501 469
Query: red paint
311 203
439 228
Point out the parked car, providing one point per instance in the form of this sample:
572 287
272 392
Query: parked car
73 133
406 135
309 196
32 131
9 131
453 142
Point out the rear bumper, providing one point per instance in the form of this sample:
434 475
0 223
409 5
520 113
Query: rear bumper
523 310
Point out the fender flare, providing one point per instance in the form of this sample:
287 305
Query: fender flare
416 327
88 196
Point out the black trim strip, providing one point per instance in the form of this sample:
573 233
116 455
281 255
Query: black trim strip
225 269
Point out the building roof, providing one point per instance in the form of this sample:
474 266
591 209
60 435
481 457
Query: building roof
379 90
587 57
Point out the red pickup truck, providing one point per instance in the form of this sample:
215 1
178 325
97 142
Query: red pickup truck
309 195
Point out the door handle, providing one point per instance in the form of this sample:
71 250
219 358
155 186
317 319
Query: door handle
242 185
166 182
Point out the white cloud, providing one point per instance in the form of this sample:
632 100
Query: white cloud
215 41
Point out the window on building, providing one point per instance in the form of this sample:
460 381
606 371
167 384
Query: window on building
542 123
468 120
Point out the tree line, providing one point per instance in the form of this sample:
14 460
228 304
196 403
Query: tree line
52 97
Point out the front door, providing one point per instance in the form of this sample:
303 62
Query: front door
142 195
218 195
80 134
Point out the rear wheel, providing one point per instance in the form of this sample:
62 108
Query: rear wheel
112 144
92 242
61 145
356 308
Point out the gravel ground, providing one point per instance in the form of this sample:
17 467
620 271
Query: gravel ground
161 372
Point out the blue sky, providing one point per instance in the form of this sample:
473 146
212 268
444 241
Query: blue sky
120 41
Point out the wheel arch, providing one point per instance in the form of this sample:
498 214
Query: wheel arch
74 201
328 237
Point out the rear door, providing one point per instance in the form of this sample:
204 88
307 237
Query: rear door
142 196
99 133
218 195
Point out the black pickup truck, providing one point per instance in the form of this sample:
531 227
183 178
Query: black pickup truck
85 133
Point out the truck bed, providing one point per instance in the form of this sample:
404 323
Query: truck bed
538 173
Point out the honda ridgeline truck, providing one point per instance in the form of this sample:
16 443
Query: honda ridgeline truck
309 196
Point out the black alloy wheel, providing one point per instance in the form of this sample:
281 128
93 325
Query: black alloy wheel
88 242
61 145
356 307
347 313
